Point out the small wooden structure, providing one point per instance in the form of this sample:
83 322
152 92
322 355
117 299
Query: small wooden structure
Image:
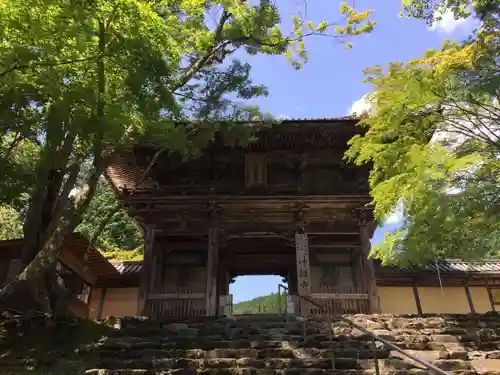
286 204
78 268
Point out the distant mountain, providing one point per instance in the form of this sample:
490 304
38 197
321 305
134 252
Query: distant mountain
265 304
272 304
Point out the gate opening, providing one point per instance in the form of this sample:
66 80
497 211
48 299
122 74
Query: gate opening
257 295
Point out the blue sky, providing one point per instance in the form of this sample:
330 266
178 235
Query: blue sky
331 82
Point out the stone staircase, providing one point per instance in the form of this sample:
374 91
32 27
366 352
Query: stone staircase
268 344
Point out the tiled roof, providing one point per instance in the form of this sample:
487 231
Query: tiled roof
76 244
129 267
445 266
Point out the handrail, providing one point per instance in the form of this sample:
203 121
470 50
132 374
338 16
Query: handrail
374 336
281 286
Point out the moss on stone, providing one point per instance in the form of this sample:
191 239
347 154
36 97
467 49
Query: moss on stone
44 344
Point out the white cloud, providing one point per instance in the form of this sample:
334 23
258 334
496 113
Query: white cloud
447 23
397 216
362 106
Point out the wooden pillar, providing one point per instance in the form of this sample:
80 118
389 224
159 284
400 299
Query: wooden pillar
357 266
303 265
292 282
147 269
223 279
212 272
490 294
469 299
368 266
417 299
102 300
4 271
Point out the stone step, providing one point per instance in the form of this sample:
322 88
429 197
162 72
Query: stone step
413 343
382 320
165 343
224 332
286 353
212 325
258 319
261 334
480 341
291 371
378 322
230 363
228 330
338 363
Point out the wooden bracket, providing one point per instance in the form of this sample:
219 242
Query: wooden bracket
214 210
299 210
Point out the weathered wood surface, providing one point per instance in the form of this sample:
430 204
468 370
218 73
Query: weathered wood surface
238 172
176 296
212 272
368 266
258 191
340 296
330 306
147 272
303 264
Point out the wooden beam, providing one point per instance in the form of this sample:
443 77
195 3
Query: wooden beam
164 296
340 296
369 275
417 299
168 225
212 271
185 246
149 240
140 200
469 299
334 245
241 244
490 295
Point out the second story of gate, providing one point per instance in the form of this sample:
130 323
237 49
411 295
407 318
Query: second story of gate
290 159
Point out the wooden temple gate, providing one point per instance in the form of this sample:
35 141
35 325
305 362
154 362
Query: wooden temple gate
284 205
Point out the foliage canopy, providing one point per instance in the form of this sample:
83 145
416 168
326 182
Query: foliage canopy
434 141
80 80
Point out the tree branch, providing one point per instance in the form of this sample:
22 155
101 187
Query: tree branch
200 63
17 66
64 197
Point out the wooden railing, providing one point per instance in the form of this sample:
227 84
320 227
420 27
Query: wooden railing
345 300
331 318
170 305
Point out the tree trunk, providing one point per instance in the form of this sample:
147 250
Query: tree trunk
35 271
51 170
36 258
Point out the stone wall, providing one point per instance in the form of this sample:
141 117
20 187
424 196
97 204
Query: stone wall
455 342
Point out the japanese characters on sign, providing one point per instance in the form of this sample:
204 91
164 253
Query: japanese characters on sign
303 267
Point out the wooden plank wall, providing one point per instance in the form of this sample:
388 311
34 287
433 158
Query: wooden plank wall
176 291
147 277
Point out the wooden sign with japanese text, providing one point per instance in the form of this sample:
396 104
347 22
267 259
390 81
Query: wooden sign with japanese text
303 267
